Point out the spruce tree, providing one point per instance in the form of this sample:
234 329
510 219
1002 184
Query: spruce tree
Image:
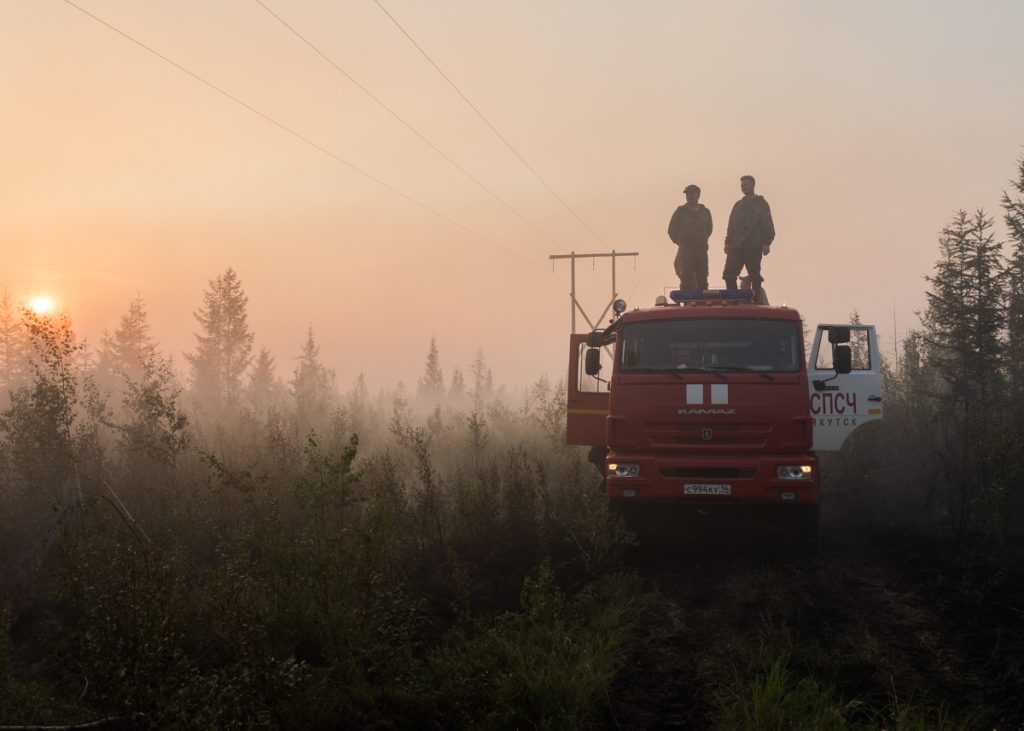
1013 216
483 379
224 345
358 405
432 383
312 386
963 325
457 390
860 356
131 346
265 388
127 354
965 315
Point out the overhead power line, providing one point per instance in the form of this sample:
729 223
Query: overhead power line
298 135
486 121
406 124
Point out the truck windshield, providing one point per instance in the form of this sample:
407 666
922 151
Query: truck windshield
713 344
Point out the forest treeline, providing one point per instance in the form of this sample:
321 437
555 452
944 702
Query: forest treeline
224 546
948 454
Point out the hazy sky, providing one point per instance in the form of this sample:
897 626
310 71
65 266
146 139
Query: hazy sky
866 124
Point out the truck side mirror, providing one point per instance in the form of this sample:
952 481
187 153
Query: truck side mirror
837 335
592 362
842 359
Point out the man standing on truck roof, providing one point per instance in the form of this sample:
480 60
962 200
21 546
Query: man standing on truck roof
749 237
690 229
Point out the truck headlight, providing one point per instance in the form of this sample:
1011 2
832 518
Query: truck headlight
794 472
623 469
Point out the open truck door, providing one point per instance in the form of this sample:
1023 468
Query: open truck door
845 382
587 395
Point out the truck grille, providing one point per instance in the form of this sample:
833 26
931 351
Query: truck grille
726 472
692 436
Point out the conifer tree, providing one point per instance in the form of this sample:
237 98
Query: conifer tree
963 325
224 345
150 423
859 355
129 354
132 346
13 354
457 390
312 386
1013 216
432 383
359 396
483 380
965 315
358 405
265 388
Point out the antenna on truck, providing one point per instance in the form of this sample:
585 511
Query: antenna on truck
572 257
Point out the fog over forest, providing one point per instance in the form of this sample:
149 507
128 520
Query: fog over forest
128 176
229 541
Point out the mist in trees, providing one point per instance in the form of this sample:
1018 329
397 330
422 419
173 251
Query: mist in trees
12 344
236 540
1013 216
123 417
223 345
948 452
432 383
150 498
41 434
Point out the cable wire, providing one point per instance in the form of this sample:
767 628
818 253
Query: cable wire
491 126
298 135
408 126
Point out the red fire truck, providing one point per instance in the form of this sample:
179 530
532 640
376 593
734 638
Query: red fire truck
706 399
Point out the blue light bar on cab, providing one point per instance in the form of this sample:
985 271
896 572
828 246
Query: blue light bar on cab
695 295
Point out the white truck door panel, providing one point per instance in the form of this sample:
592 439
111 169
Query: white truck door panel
841 403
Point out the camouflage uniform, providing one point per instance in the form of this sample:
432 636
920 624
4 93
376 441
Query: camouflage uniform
750 229
690 229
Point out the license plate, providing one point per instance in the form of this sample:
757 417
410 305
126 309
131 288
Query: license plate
702 489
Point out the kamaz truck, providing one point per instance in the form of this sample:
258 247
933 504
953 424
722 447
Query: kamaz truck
708 400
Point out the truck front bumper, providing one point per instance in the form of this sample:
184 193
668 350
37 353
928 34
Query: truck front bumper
712 480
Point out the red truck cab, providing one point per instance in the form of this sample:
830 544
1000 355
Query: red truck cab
709 400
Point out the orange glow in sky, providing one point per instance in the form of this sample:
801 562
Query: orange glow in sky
867 125
41 304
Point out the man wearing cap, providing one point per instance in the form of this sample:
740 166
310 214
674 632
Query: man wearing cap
690 229
748 237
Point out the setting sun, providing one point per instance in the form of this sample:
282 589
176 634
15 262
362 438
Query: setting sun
41 305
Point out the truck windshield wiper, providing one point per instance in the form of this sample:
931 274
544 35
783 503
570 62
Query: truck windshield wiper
674 372
702 369
742 369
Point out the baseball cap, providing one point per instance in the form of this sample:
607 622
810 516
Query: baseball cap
692 189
